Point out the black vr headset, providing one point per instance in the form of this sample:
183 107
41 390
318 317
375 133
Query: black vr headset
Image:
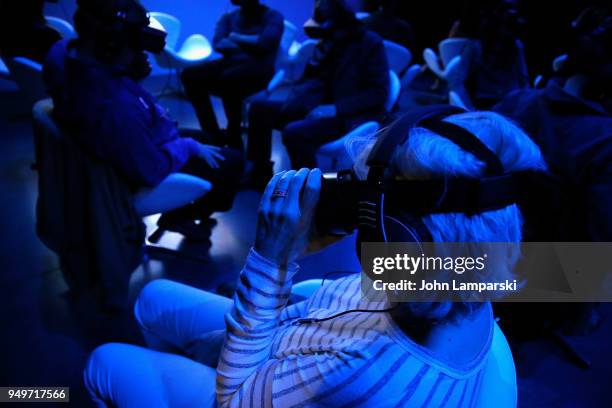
122 26
385 209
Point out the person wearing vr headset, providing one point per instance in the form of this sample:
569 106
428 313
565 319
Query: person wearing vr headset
337 348
345 83
248 39
93 81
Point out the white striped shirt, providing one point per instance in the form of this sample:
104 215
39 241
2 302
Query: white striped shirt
359 359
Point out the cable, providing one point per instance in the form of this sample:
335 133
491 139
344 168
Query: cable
309 320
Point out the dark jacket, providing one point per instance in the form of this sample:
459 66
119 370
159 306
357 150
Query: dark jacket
391 27
114 119
575 136
268 24
354 76
85 214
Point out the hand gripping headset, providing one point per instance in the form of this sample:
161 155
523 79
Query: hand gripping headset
384 209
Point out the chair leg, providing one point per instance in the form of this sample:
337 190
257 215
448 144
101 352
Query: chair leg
156 235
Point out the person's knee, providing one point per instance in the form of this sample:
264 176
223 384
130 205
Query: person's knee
149 297
98 366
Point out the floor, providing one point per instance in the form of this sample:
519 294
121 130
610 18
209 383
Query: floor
46 337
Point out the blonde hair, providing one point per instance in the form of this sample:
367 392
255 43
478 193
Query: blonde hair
426 155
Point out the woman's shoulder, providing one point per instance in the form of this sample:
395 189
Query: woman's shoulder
458 349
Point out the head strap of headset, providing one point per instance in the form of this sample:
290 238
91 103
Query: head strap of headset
494 191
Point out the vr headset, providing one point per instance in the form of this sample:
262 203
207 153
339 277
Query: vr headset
129 26
385 209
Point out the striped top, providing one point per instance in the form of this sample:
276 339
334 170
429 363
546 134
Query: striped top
359 359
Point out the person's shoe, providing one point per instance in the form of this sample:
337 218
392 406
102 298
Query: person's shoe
192 230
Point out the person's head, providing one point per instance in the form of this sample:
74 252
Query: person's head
330 16
589 60
426 155
246 4
492 21
117 33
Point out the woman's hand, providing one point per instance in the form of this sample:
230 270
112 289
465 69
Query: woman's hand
211 155
285 215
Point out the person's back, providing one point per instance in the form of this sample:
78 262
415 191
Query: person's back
575 136
388 23
570 122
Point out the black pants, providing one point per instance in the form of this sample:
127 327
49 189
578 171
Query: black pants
302 137
225 182
233 82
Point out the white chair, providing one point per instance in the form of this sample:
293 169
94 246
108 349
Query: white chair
193 51
410 75
498 387
335 152
294 68
4 71
451 66
399 57
63 27
177 190
558 62
287 41
27 74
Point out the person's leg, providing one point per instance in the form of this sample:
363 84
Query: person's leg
225 182
304 137
121 375
181 319
263 117
235 84
199 81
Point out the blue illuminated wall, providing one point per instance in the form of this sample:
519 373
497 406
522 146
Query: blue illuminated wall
200 16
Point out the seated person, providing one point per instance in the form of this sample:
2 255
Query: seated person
24 31
388 23
492 59
93 81
569 121
345 84
497 64
358 359
248 39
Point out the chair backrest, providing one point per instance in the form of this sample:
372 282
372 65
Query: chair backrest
4 71
395 88
62 26
498 387
286 42
171 25
41 115
399 57
297 65
28 76
452 47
